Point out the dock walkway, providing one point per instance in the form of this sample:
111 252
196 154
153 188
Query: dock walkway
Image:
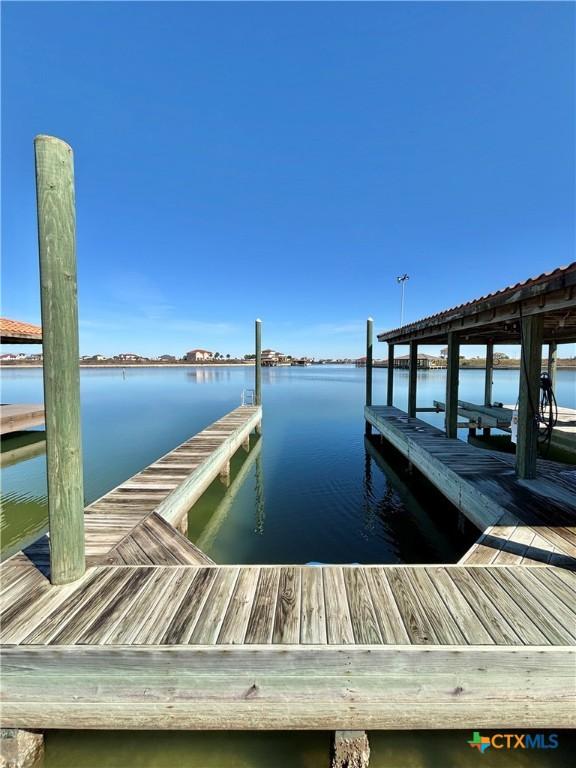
15 417
522 521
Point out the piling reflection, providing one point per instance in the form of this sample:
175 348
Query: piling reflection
259 489
423 525
254 458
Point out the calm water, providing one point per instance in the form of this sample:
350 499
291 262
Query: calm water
310 489
306 492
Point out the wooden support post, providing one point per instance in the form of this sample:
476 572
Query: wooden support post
20 749
489 373
369 360
553 362
412 378
258 363
530 365
488 379
390 373
452 371
350 749
225 474
246 444
57 247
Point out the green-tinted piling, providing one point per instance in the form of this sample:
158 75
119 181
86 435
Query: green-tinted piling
57 248
369 362
390 375
528 398
452 373
412 378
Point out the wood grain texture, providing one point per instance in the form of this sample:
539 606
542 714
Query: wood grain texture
57 248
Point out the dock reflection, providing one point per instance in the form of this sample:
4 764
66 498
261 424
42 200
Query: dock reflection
21 446
425 527
254 458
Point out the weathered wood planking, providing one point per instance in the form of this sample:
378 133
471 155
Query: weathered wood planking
288 687
523 521
167 488
294 605
291 646
16 417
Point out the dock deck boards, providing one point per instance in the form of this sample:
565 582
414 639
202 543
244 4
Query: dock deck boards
20 416
522 521
349 605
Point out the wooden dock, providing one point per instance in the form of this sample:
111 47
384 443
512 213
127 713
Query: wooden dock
329 647
520 520
20 416
155 635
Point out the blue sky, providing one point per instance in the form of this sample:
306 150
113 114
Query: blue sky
288 161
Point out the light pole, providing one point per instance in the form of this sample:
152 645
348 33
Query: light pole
402 280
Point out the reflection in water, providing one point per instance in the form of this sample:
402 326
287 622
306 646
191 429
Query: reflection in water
208 375
411 509
20 446
259 493
206 539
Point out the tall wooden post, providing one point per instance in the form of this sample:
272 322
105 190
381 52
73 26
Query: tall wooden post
489 373
390 374
530 364
412 378
57 247
452 371
258 363
552 362
369 361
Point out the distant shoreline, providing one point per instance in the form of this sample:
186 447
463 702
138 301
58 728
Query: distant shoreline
250 364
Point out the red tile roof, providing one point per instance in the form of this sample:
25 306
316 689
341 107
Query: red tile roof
14 331
469 305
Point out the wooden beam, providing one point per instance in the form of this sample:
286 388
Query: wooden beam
258 363
287 687
390 383
412 378
553 362
57 247
369 361
452 385
530 365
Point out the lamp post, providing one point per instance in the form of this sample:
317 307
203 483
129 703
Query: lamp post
402 280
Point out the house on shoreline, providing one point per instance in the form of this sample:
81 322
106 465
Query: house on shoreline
271 358
199 356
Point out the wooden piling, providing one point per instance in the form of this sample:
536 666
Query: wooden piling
452 371
489 373
412 378
530 364
369 362
258 363
57 248
390 374
552 362
488 380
